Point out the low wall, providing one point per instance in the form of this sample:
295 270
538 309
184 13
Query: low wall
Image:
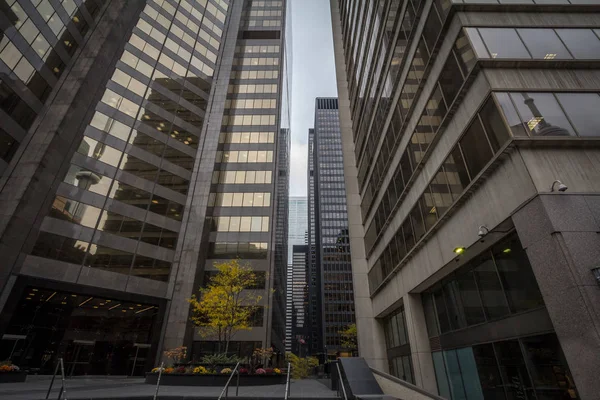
400 389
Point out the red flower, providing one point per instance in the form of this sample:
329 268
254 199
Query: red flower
243 371
269 370
180 370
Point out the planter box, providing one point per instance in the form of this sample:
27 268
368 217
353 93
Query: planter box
213 380
12 377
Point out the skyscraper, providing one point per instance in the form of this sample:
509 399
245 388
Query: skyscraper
472 202
298 223
142 141
330 269
297 235
298 309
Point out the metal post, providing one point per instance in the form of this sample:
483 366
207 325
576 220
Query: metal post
137 349
63 389
158 380
53 376
287 382
237 385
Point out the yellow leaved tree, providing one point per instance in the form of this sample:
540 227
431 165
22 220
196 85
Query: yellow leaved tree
224 307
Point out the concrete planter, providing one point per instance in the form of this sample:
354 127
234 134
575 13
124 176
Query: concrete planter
13 377
213 379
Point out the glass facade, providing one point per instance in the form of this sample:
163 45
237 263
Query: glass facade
112 182
38 39
95 335
332 241
531 367
398 346
131 172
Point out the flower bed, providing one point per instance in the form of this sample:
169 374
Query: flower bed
10 373
198 379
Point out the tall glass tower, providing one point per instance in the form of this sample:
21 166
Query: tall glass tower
140 144
331 270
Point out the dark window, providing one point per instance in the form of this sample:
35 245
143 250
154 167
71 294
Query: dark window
440 191
503 43
517 276
442 314
513 371
489 375
494 302
510 113
583 111
109 259
544 44
451 79
582 42
471 302
8 146
494 125
456 172
542 115
547 366
476 148
465 53
432 27
60 248
417 222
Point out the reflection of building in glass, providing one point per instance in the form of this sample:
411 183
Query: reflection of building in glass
330 272
113 180
453 134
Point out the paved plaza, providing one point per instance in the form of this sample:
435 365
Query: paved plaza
103 388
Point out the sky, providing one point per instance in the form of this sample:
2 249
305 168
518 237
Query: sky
313 75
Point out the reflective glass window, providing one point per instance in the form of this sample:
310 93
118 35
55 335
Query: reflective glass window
503 43
582 110
544 44
542 114
475 147
490 288
581 42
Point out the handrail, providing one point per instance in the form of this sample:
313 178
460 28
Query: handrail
341 379
63 388
225 389
287 382
160 370
406 384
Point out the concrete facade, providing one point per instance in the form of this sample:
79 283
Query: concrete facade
511 193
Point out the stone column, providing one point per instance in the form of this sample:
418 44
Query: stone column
419 343
560 235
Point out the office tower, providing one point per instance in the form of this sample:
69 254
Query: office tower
475 264
298 223
332 274
142 143
297 235
279 303
298 290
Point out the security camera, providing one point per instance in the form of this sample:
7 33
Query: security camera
561 186
483 230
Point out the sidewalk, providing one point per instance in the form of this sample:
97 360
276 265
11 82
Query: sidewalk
105 388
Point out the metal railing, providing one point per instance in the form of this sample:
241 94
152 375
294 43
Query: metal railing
288 385
341 382
160 370
225 390
63 388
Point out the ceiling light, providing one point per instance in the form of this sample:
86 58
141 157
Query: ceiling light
113 307
459 250
549 56
85 301
56 70
507 250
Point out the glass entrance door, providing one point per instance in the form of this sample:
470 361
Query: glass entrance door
78 357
